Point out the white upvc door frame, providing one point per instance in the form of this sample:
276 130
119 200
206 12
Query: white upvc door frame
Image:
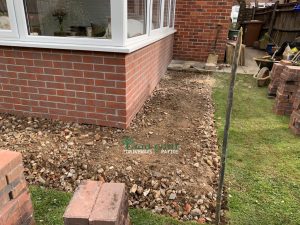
118 28
13 32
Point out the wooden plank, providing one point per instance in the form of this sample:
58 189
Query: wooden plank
273 17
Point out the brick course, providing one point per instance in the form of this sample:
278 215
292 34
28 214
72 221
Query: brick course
15 203
82 86
196 24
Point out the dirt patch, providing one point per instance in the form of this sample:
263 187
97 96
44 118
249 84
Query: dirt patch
177 172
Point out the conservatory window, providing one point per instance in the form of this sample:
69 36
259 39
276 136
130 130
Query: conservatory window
156 13
97 25
137 18
69 18
4 18
166 13
172 17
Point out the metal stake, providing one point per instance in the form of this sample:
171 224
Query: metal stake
227 125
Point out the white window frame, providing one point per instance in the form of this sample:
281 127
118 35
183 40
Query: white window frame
169 13
133 40
117 27
19 36
13 32
153 31
173 19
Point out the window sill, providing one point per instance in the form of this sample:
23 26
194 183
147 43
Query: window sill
119 49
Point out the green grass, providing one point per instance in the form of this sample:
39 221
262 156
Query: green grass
49 206
263 166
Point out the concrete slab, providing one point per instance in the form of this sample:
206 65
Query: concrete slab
249 68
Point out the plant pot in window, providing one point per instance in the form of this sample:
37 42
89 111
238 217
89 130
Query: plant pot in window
59 15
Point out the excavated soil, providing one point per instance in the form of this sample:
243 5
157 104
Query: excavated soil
168 157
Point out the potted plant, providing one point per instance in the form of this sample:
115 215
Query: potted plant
60 15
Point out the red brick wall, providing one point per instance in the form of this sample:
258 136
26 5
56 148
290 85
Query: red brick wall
80 86
85 87
144 68
196 23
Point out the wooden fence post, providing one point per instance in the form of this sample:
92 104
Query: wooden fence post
273 17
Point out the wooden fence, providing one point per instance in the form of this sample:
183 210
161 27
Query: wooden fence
281 21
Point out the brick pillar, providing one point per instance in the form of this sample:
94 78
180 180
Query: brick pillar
96 203
15 203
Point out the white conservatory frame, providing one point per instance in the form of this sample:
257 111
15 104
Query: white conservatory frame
18 35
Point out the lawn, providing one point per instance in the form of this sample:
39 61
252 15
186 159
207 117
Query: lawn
263 173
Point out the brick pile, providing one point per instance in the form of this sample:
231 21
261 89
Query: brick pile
275 78
15 203
289 83
97 203
295 117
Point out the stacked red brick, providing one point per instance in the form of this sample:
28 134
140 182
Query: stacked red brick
275 78
15 204
96 203
295 117
286 92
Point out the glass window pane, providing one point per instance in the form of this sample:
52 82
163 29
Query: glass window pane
156 7
74 18
137 17
172 13
4 19
166 13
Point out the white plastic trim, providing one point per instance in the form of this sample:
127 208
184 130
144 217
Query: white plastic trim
126 49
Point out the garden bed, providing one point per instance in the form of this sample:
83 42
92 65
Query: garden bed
168 157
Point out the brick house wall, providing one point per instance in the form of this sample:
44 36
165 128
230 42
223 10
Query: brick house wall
81 86
144 69
196 23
